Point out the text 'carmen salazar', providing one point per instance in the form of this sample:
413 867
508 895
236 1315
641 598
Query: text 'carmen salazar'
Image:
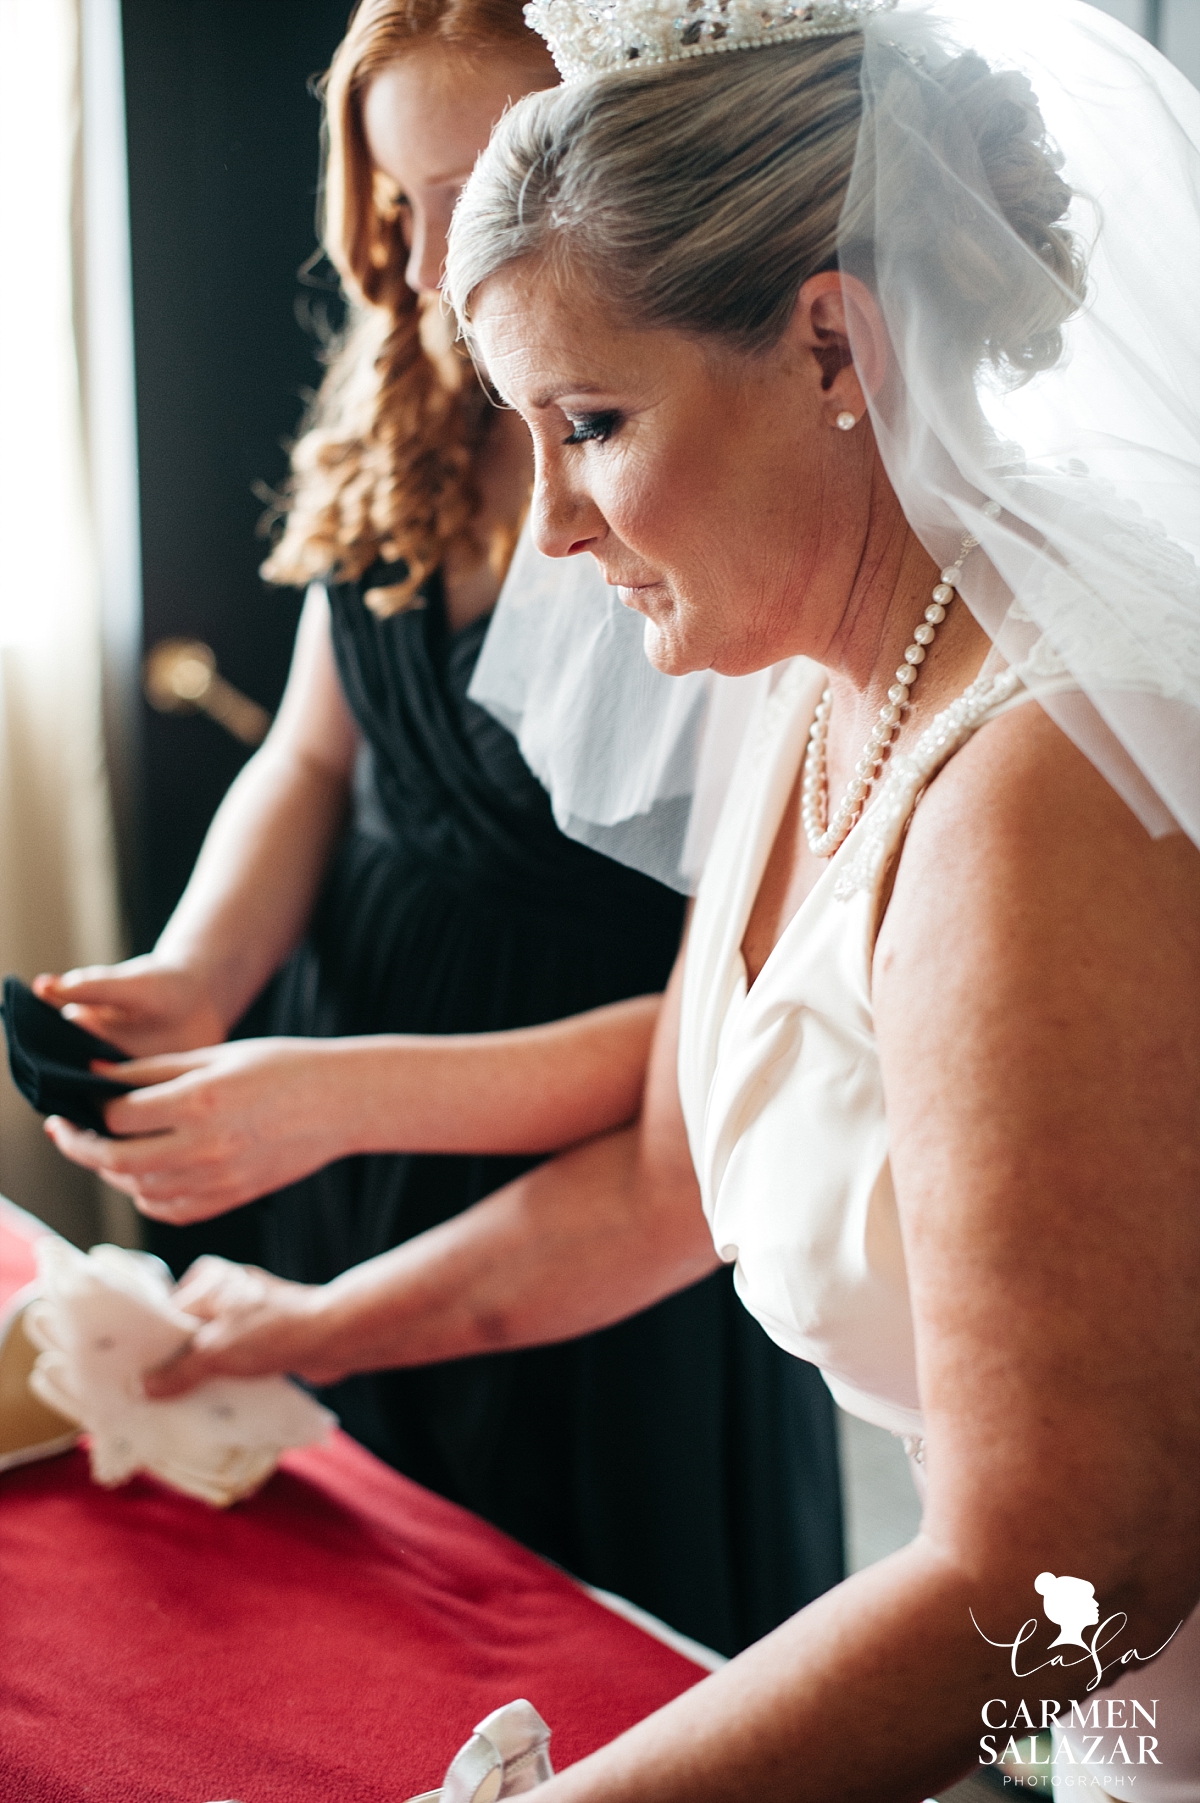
1103 1731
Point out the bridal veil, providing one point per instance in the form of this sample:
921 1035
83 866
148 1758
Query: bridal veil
1091 447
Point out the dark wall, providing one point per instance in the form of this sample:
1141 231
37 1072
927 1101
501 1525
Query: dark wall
222 173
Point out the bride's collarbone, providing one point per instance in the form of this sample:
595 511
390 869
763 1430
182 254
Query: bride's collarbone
793 871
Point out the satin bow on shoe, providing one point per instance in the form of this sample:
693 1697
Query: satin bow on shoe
508 1754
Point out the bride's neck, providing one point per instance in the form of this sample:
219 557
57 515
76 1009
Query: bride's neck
894 588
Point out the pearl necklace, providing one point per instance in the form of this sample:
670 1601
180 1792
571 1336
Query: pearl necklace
826 835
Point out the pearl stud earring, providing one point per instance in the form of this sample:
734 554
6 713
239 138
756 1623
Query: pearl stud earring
846 422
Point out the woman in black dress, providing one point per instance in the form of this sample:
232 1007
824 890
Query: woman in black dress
679 1459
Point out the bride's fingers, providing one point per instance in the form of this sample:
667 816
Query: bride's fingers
229 1345
213 1286
204 1285
204 1356
177 1376
215 1289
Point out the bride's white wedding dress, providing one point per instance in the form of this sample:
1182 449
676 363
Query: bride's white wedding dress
782 1094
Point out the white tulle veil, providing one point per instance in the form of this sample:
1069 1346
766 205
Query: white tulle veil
635 762
1096 460
1090 580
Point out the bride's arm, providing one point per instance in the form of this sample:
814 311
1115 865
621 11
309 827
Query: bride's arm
576 1244
1037 985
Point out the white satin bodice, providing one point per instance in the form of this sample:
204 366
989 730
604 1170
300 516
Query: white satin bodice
783 1098
781 1085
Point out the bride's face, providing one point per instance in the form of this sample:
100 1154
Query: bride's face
712 487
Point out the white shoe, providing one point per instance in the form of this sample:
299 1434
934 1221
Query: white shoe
508 1754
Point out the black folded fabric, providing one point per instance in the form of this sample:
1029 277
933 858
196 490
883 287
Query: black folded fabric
49 1059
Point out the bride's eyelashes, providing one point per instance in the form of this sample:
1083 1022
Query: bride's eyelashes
592 426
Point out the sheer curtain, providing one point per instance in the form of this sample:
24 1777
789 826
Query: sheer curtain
61 407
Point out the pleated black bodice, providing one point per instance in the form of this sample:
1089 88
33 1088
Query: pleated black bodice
453 905
448 785
679 1458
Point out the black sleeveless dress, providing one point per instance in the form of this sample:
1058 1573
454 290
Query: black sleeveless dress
680 1458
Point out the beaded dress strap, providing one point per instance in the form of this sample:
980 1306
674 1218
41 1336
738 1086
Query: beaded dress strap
874 840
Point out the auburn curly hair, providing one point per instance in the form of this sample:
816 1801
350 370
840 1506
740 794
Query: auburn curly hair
384 465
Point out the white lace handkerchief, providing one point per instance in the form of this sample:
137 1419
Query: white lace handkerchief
106 1317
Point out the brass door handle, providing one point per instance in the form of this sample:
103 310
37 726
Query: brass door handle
180 676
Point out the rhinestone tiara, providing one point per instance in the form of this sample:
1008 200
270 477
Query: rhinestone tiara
595 37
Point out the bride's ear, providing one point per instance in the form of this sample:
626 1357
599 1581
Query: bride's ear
838 324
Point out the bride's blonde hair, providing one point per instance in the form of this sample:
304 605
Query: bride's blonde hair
717 187
384 465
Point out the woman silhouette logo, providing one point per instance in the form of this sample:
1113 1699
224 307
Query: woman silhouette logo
1070 1603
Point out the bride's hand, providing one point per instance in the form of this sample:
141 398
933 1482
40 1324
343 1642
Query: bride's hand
143 1006
254 1325
204 1131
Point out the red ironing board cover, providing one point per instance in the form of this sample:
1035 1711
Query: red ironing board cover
332 1640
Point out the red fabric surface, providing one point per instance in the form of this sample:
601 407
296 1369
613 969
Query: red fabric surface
332 1640
17 1234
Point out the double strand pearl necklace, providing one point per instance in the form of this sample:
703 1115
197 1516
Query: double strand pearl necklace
824 835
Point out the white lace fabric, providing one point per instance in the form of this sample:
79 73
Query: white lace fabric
103 1319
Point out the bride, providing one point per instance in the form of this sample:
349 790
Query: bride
934 1045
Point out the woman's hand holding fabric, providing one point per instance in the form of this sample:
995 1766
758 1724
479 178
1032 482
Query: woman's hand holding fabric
204 1131
255 1325
208 1129
579 1242
145 1005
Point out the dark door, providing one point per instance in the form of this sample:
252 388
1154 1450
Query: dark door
222 173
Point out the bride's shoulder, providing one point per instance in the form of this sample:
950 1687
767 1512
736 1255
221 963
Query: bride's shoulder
1021 850
1035 986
